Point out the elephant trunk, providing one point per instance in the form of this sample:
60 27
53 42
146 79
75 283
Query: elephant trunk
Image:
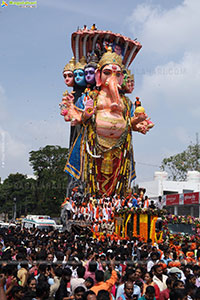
114 92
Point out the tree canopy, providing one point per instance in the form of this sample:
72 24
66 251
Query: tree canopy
178 165
20 187
48 165
42 195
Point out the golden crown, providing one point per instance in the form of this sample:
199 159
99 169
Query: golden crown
70 66
81 63
110 58
131 76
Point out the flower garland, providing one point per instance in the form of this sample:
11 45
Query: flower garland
174 219
153 229
148 211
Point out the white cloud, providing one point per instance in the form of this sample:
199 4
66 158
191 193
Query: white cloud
172 34
15 147
13 154
167 32
175 84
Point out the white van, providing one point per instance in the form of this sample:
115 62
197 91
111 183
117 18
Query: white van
38 221
6 225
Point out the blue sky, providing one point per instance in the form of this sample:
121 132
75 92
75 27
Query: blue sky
35 45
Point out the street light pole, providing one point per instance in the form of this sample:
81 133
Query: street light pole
15 208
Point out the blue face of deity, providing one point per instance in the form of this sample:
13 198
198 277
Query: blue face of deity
79 77
90 75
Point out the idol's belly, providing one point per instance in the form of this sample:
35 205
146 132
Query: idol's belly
109 124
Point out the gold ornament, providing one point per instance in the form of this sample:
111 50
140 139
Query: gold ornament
65 93
70 66
131 76
81 64
110 58
107 163
139 110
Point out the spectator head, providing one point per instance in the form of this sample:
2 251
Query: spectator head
130 275
42 290
8 270
169 282
128 288
186 271
90 295
59 256
150 293
178 284
138 273
178 294
92 266
31 283
81 271
50 257
42 268
140 284
149 242
79 292
66 274
158 270
103 295
20 257
191 279
148 277
58 272
24 265
89 282
196 270
99 275
154 256
17 292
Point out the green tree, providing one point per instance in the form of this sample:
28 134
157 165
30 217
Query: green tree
48 166
20 187
178 165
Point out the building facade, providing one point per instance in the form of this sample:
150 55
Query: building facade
179 197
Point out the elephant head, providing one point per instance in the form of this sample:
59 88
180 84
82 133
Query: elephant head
110 78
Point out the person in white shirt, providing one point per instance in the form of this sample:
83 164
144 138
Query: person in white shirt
160 203
159 278
153 261
79 281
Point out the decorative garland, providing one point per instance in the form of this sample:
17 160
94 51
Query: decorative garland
173 219
138 210
153 229
142 225
181 219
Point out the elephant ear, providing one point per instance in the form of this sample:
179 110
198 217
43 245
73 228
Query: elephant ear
98 77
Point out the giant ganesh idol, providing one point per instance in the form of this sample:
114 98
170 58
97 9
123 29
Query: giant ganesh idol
101 156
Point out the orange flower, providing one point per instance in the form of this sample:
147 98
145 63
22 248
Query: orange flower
171 264
177 264
193 246
164 266
190 254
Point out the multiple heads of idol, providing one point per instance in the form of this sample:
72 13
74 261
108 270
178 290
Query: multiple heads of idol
82 73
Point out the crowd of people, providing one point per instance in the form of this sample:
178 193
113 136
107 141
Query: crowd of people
37 265
103 209
100 212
